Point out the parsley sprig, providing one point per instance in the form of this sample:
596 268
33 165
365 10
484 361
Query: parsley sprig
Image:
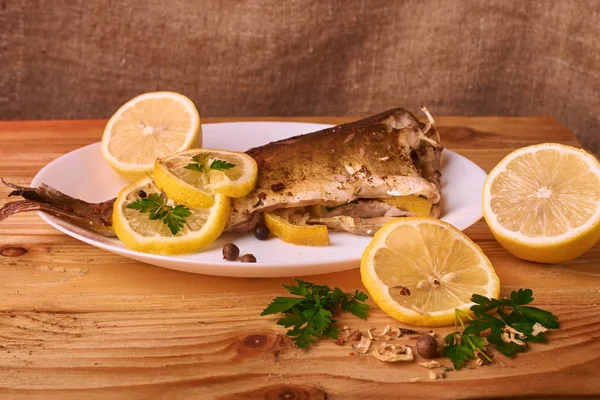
517 324
310 315
200 161
156 205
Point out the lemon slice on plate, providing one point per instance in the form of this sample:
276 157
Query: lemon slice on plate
149 126
419 270
542 202
135 228
306 235
419 206
192 176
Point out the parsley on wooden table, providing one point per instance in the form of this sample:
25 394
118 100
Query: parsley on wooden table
310 315
516 324
200 161
156 205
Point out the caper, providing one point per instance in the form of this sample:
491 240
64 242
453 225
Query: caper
142 194
261 232
248 258
427 347
230 252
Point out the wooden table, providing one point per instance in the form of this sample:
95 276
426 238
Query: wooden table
78 322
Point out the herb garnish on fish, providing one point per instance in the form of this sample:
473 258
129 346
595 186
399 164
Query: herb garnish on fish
156 205
200 164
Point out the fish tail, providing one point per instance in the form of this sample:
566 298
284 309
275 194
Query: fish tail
94 216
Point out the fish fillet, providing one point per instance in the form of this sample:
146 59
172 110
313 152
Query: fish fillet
386 155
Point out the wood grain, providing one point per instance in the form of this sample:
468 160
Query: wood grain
78 322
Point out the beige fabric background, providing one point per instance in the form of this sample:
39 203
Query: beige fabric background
84 58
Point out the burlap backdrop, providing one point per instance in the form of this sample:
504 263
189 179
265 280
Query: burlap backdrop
83 59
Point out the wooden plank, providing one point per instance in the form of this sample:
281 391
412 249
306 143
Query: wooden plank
76 321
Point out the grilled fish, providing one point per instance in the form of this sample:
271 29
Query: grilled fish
347 170
339 177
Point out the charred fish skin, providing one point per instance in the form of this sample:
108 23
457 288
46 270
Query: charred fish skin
388 154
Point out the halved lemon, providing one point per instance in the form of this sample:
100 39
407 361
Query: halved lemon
138 232
542 202
147 127
419 270
192 176
305 235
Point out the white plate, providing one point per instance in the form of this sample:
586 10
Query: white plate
84 174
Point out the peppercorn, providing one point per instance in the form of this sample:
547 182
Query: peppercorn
248 258
261 232
141 194
230 252
427 347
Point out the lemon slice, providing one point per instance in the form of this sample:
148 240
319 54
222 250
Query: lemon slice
306 235
138 232
419 206
419 270
229 173
149 126
542 202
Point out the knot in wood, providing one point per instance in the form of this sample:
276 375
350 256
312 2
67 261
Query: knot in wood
255 341
259 343
13 251
284 392
289 392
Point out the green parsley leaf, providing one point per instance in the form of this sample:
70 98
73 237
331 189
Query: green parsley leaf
483 304
200 161
457 353
527 328
221 165
322 319
332 332
153 203
281 304
156 207
534 314
310 316
508 349
303 337
521 297
195 167
175 219
291 320
355 305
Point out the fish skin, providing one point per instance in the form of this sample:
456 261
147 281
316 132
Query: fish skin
362 159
